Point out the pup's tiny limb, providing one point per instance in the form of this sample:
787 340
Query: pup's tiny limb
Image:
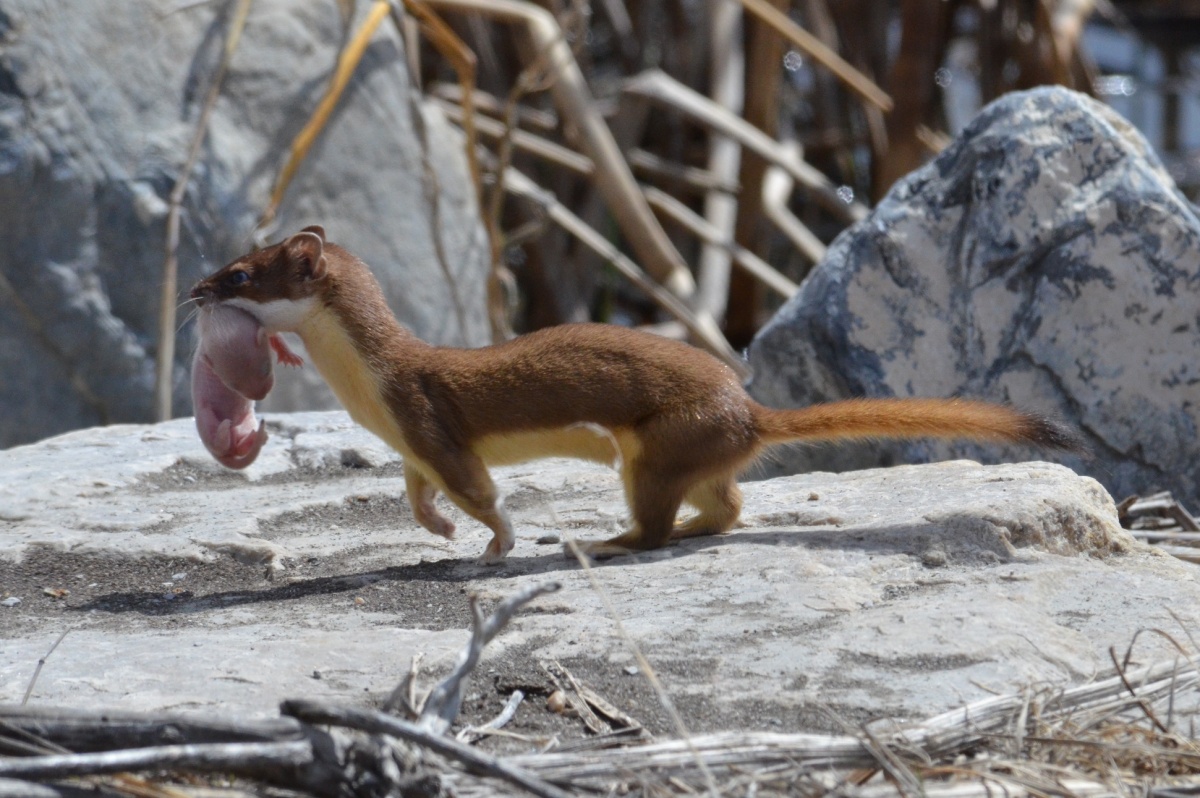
286 356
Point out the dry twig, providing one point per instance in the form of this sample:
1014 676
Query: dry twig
165 358
441 706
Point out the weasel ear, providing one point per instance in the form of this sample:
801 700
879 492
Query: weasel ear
316 230
306 250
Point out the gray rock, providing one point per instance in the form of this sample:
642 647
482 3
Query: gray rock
898 592
1044 259
97 109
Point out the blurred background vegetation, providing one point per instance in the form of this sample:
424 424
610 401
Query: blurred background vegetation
756 130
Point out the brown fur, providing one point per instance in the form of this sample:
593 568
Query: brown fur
675 419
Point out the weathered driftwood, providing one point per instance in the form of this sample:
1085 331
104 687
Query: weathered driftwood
1159 519
472 733
441 707
941 735
377 723
83 730
18 788
312 762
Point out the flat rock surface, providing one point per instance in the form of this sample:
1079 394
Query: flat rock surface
895 592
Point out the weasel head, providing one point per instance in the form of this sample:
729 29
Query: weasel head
280 285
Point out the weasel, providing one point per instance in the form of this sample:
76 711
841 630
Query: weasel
674 419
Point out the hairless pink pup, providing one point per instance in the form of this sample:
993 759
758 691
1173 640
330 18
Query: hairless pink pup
233 369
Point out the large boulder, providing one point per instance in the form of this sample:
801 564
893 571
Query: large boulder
1045 259
98 105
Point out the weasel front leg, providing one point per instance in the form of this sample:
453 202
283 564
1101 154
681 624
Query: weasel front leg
421 496
468 484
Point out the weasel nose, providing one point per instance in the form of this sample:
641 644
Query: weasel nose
199 292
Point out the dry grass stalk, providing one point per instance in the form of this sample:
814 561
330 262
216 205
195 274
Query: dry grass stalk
490 105
690 178
854 80
577 108
755 266
661 88
703 328
776 189
347 63
167 316
462 60
727 77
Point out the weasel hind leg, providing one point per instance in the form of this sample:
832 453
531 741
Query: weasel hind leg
654 500
719 502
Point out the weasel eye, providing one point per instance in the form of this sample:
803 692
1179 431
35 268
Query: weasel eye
237 278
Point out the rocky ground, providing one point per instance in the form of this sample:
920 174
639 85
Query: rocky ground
897 592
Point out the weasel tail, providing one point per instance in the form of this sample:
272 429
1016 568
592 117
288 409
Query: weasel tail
911 418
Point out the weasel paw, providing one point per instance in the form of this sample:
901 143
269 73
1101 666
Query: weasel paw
495 553
436 523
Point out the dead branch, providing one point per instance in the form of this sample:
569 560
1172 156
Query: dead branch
377 723
441 706
941 735
16 788
248 759
103 730
501 720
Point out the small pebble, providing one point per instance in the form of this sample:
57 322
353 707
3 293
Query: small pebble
550 539
11 601
632 670
557 702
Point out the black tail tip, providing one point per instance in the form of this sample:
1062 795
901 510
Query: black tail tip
1051 433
